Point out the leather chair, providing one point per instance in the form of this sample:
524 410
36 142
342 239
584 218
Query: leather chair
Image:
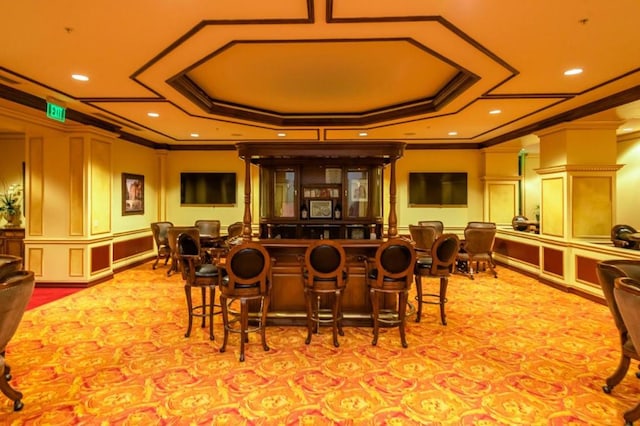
15 293
9 265
619 237
627 296
391 272
247 279
172 237
435 223
324 273
234 232
209 232
423 238
160 231
196 273
520 223
440 263
608 271
477 247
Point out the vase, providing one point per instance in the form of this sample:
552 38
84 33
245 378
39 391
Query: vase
14 220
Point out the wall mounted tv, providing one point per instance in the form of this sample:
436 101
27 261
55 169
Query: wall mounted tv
207 188
439 189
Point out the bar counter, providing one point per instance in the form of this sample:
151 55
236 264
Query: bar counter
287 305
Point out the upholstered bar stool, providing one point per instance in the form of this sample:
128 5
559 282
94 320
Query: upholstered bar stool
247 279
391 272
324 274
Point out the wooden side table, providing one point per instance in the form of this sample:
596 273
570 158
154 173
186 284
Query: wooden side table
12 241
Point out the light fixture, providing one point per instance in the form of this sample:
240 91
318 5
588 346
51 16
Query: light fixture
153 114
453 133
79 77
363 134
495 111
195 135
627 129
282 134
573 71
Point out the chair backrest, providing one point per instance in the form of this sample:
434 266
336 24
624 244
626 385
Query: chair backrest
189 242
435 223
443 254
175 231
208 227
627 295
15 293
520 223
160 231
234 230
608 271
619 236
248 268
9 265
479 239
395 260
325 259
423 236
478 224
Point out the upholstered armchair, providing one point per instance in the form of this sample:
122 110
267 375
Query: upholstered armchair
160 231
477 247
437 224
620 237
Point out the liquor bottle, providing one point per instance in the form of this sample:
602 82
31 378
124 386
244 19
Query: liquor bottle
337 212
304 213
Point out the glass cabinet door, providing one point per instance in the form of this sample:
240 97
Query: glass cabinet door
357 193
284 195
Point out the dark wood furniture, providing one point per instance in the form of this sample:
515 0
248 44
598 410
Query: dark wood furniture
160 231
390 273
324 273
12 241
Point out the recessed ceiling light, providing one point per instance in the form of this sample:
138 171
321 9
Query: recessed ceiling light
79 77
153 114
453 133
627 129
195 135
282 134
495 111
573 71
363 134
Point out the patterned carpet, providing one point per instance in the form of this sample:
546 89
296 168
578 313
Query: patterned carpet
514 352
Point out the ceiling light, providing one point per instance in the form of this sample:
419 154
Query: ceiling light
363 134
282 134
573 71
79 77
627 129
453 133
195 135
495 111
153 114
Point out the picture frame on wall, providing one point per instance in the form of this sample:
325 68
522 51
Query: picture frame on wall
132 194
320 209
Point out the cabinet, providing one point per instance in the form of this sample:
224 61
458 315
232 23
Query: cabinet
12 241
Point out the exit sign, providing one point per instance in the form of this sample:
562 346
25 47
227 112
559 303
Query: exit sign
56 112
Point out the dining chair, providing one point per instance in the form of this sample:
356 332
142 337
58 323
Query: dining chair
324 275
160 231
477 247
390 273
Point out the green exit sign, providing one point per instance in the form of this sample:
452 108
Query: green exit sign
56 112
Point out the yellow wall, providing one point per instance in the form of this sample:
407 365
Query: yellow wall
627 181
11 162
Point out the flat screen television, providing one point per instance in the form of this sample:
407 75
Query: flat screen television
207 188
438 189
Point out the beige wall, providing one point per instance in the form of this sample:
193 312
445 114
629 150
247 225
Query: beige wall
628 182
11 161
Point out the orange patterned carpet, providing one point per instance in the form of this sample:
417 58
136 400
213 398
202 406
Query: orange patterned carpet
514 352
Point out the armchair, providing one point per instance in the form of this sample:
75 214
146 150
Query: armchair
620 237
477 247
160 231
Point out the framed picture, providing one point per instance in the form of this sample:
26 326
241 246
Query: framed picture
132 194
359 189
320 209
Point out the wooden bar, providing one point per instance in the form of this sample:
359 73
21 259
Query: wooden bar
287 305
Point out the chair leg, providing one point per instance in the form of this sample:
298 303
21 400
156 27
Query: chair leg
403 299
491 268
263 322
632 415
307 299
11 393
203 291
155 264
187 292
444 282
374 314
619 374
212 298
334 318
244 325
339 295
225 321
418 280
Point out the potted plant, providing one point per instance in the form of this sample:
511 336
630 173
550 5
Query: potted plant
10 205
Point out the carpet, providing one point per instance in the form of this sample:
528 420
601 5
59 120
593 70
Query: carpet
514 352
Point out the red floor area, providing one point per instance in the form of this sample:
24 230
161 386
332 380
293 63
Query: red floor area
45 295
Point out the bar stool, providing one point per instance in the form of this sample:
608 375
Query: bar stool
324 273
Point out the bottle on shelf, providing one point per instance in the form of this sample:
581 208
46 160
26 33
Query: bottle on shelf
337 211
304 212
